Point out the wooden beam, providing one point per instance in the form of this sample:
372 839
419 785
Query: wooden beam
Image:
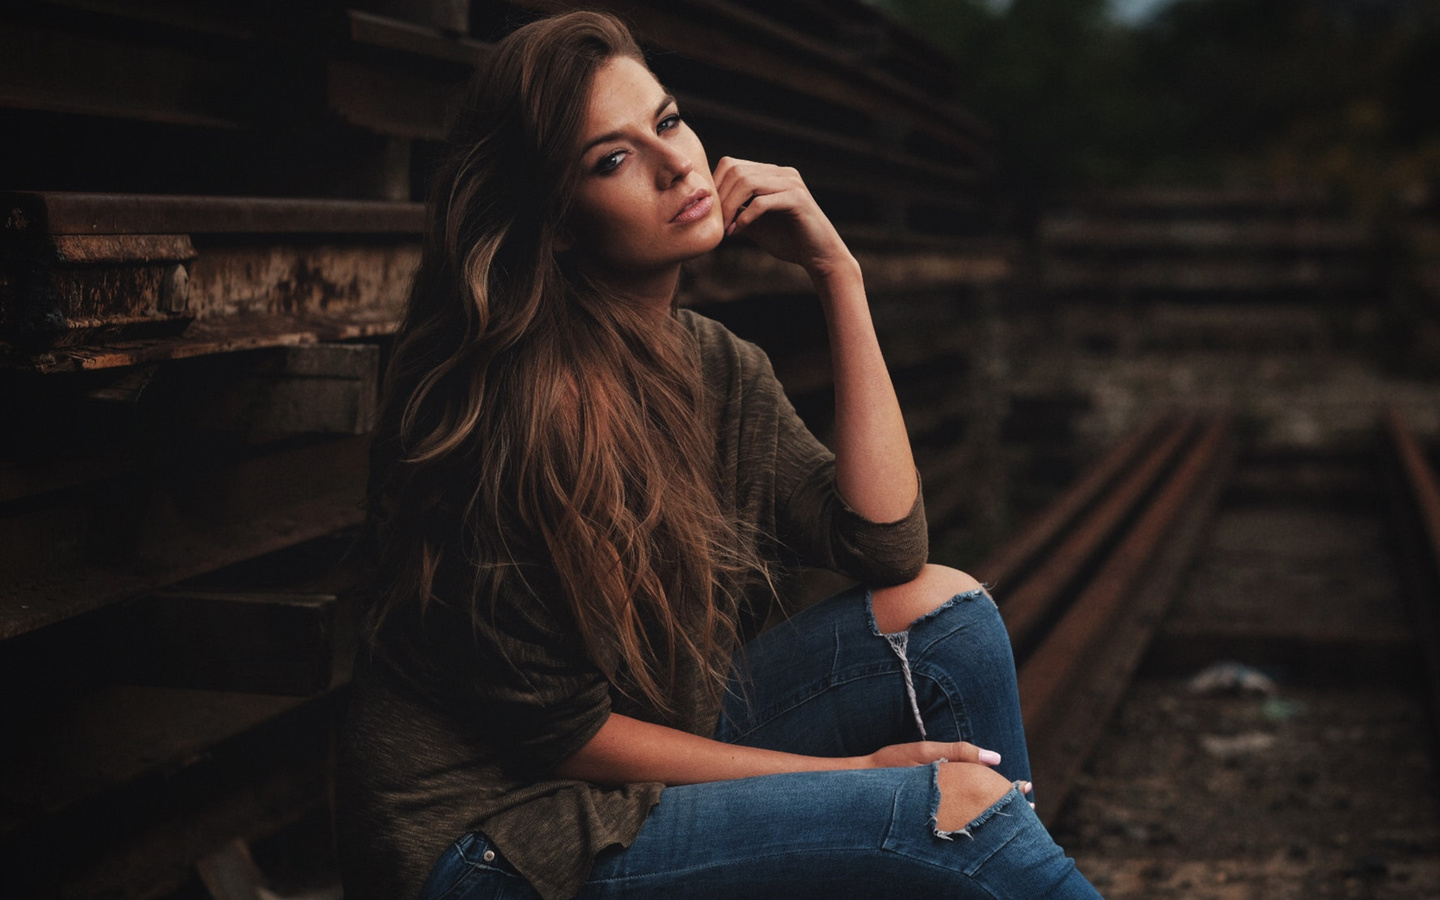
887 160
1180 275
429 41
28 213
43 67
258 642
153 779
311 389
105 280
738 270
75 554
730 37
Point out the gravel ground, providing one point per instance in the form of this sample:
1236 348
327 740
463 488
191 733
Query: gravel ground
1305 793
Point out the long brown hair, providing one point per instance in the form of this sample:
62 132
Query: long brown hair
536 427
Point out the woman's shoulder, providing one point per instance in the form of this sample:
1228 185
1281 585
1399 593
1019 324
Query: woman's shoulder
723 352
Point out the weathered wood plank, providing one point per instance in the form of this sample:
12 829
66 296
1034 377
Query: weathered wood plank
253 642
68 557
313 389
152 779
728 36
64 212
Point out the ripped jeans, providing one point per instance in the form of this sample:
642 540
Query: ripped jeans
827 683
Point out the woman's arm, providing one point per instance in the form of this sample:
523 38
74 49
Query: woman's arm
874 469
626 751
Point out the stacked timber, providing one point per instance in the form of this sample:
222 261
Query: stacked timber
1176 242
208 221
1209 269
1145 297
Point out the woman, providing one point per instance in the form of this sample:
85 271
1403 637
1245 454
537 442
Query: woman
579 499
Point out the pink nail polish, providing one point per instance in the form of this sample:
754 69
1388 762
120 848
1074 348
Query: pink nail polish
990 757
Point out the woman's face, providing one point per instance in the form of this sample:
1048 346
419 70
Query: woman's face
646 200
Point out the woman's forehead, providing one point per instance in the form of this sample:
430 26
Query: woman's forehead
623 93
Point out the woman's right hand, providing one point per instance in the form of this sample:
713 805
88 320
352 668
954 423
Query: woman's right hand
921 753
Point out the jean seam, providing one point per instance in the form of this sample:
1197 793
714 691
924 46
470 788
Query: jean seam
670 873
466 871
472 863
463 844
954 700
799 697
973 871
978 885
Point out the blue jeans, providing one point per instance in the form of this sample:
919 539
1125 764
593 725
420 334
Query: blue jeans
827 683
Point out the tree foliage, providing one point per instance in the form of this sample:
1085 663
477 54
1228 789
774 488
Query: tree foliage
1343 91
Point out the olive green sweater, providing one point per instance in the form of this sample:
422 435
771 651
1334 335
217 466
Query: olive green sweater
461 729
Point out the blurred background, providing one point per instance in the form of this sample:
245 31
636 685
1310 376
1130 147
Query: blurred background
1085 93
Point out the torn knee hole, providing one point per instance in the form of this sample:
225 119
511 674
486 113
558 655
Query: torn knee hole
901 606
967 793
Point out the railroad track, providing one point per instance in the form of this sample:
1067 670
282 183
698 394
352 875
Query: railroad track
1084 586
1317 569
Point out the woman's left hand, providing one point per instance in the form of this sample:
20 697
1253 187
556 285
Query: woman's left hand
772 206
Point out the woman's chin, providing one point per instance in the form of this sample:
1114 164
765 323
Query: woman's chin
710 238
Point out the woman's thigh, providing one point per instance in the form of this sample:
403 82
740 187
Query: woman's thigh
856 834
828 683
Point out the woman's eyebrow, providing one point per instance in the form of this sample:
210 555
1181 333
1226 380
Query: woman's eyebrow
615 135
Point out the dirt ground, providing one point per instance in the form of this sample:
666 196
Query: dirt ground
1305 793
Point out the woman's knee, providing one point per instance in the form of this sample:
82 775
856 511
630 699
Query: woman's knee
966 791
896 607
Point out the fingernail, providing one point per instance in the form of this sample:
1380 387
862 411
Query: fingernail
1026 787
730 229
1032 806
990 757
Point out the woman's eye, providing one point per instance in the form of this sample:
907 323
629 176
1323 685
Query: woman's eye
671 121
609 162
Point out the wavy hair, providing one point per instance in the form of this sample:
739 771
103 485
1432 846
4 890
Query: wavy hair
537 427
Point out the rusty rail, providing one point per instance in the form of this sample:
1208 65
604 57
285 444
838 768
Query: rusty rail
1034 602
1022 550
1091 579
1415 501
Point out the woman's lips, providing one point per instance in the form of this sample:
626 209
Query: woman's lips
697 207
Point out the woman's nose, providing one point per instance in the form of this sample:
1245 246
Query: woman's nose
673 166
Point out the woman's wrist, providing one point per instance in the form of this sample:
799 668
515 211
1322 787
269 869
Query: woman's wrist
840 284
835 272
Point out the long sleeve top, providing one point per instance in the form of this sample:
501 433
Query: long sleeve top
461 731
